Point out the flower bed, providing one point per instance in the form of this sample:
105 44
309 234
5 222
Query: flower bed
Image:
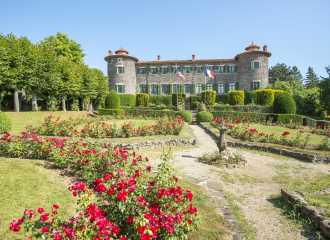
223 158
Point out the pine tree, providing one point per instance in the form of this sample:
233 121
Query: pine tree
311 79
295 73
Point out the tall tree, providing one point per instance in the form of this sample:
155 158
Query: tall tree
325 91
311 79
295 73
280 72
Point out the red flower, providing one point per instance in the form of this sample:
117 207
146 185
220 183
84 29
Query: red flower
44 217
44 229
301 131
58 237
111 191
140 199
285 133
55 206
41 210
149 168
245 120
130 220
115 230
189 221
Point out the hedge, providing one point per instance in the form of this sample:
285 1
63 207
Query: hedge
264 97
262 117
314 122
151 113
5 123
244 108
161 99
194 98
203 116
142 99
112 100
286 118
221 98
181 97
249 97
127 100
210 97
284 104
115 112
186 115
236 97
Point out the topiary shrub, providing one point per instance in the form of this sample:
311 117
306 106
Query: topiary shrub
210 97
249 97
284 104
236 97
127 100
180 96
277 92
5 123
186 115
203 116
222 98
115 112
112 100
142 99
264 97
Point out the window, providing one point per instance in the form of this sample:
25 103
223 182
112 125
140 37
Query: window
175 68
164 70
198 69
210 68
120 59
198 88
119 88
164 89
153 89
142 88
231 69
175 88
110 60
221 88
153 70
255 65
187 69
231 86
220 69
120 69
256 85
142 70
209 86
187 88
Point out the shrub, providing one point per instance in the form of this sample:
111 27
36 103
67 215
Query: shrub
264 97
221 98
186 115
244 108
284 104
210 97
127 100
286 118
114 112
277 92
249 97
251 116
142 99
180 96
315 122
5 123
194 105
151 113
236 97
194 98
112 100
203 116
161 99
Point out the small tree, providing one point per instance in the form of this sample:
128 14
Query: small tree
142 99
311 80
236 97
112 100
284 104
210 97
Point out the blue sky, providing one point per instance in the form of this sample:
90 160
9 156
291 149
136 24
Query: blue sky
296 32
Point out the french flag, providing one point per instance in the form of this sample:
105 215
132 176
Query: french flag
208 73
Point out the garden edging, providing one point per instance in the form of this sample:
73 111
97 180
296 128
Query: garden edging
304 156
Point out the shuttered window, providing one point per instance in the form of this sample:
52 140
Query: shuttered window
187 70
231 87
164 88
153 89
221 88
209 86
120 69
256 65
142 88
142 71
231 69
153 70
198 88
220 69
187 88
175 88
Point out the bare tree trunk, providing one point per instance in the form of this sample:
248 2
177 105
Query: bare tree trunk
16 103
91 109
34 102
47 107
63 103
82 105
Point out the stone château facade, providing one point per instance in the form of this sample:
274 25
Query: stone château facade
247 71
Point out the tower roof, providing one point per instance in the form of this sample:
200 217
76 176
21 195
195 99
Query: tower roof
121 51
252 47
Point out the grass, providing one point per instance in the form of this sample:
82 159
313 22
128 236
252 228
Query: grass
29 184
250 232
319 200
234 178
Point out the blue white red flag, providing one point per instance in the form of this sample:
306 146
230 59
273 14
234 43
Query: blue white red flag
178 74
209 73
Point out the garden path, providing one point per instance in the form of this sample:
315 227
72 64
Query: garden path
252 185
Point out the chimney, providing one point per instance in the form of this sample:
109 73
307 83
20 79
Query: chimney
264 48
110 52
158 57
193 57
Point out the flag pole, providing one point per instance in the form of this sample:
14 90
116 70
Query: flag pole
177 90
205 87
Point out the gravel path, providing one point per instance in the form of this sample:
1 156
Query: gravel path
254 184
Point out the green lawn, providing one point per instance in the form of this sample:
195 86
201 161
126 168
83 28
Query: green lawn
30 184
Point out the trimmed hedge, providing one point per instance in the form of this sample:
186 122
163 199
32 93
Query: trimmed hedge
249 97
180 96
115 112
127 100
210 97
142 99
284 104
151 113
5 123
286 118
203 116
221 98
264 97
239 115
276 92
112 100
236 97
161 99
244 108
314 122
194 98
186 115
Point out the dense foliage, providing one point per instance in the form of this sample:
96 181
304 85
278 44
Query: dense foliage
5 123
186 115
161 99
203 116
249 97
210 97
244 108
236 97
127 100
180 97
112 100
142 99
116 112
264 97
284 104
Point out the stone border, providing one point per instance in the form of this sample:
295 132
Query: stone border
314 213
216 194
304 156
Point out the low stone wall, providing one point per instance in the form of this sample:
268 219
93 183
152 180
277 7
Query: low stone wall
304 156
313 213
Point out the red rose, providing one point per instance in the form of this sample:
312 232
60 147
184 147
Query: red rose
55 206
44 229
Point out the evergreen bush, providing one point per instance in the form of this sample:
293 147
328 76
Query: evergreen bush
236 97
161 99
203 116
186 115
277 92
194 98
142 99
264 97
5 123
114 112
221 98
127 100
210 97
249 97
284 104
112 100
180 96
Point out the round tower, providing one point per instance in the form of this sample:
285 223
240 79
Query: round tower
252 68
121 72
